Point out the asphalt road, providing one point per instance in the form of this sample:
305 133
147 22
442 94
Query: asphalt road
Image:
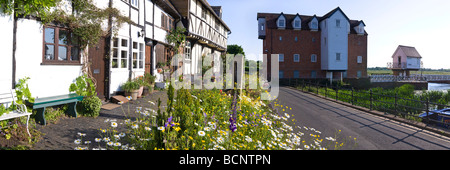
371 132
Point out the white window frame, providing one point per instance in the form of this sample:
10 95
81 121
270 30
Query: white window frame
359 59
187 51
141 56
313 58
281 22
120 48
314 25
139 51
297 21
280 57
297 58
135 3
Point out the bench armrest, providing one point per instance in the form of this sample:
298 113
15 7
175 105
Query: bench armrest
21 108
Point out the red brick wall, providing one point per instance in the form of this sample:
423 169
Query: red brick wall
305 47
357 46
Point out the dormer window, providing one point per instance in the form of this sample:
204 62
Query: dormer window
314 24
281 21
360 28
297 22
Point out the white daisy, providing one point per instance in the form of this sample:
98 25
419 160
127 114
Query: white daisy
201 133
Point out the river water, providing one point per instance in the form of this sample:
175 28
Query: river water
438 87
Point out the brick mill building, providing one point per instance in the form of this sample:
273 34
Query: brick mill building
330 46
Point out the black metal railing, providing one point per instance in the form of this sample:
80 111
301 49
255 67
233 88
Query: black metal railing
408 108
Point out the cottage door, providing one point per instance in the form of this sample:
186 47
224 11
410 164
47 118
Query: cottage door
148 61
98 61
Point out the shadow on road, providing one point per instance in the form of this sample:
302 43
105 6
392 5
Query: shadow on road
347 114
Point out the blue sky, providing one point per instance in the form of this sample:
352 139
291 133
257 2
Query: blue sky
424 24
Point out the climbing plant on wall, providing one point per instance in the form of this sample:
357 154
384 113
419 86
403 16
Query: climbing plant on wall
87 22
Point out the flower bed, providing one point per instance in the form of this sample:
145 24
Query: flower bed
211 120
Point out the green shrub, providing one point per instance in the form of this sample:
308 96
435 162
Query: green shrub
90 106
83 86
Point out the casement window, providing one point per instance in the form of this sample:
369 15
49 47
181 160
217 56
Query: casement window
216 23
281 57
119 53
281 38
187 50
60 46
167 23
359 59
138 55
338 56
135 3
296 74
314 25
297 58
313 74
338 23
204 13
296 23
313 58
281 22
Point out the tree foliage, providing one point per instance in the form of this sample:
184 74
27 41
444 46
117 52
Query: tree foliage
86 20
27 7
235 49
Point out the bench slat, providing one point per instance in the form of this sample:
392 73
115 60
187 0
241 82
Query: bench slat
58 98
12 115
48 104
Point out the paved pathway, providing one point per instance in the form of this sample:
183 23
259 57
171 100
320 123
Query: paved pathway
61 135
372 132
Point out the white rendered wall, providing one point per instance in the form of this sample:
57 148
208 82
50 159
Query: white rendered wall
6 45
337 42
45 80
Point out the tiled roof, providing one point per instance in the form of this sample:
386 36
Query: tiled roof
271 19
410 51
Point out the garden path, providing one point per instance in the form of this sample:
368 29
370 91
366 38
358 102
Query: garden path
61 135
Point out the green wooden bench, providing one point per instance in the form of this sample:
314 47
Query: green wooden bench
41 103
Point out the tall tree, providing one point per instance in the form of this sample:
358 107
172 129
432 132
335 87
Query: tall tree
235 49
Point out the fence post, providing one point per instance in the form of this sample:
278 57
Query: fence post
317 85
427 109
352 96
395 103
326 87
337 93
370 99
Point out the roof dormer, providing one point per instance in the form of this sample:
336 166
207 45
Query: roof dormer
314 24
360 28
281 21
297 22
